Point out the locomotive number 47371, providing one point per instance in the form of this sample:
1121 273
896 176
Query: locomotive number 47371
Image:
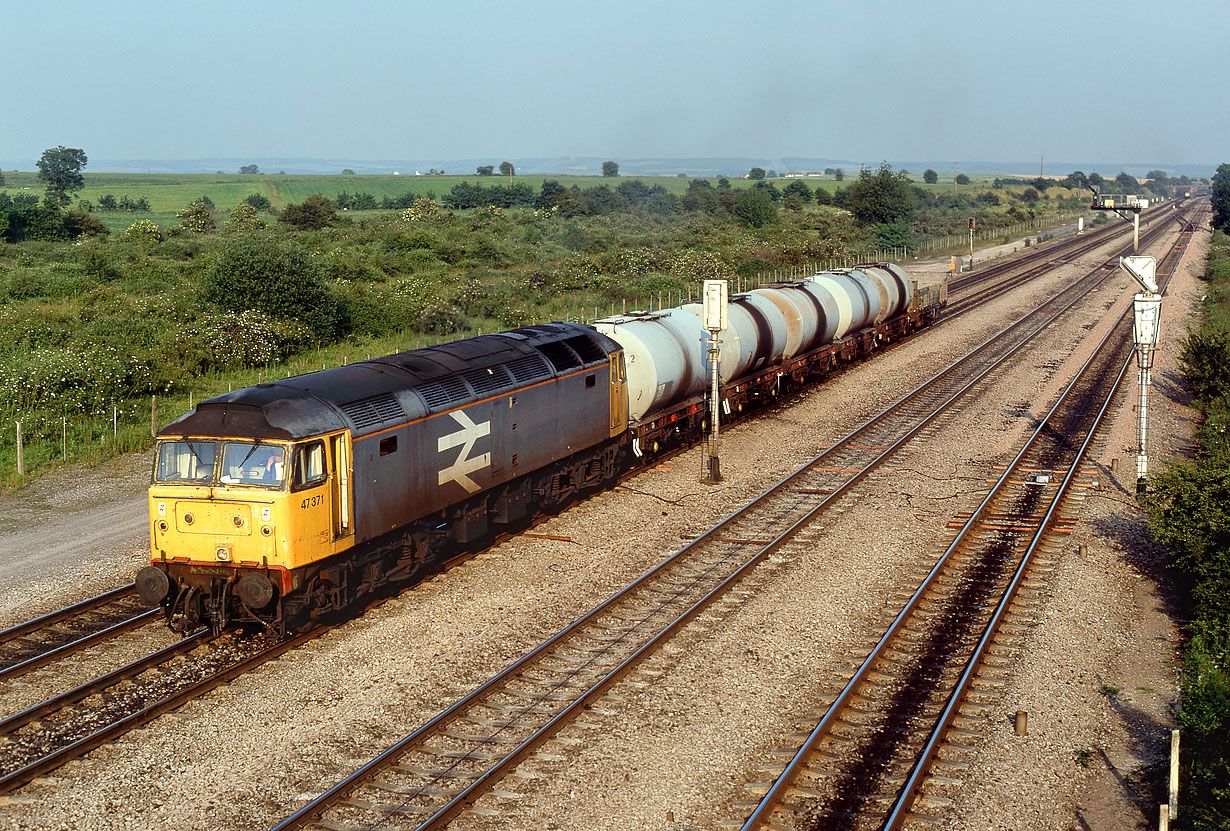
312 501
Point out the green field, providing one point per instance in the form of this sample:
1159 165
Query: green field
170 193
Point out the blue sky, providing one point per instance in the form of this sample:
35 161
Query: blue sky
409 80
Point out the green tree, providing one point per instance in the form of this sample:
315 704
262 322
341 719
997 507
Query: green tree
60 167
798 188
347 172
930 176
962 179
259 201
314 213
485 170
1128 183
754 208
1 178
79 224
839 174
881 198
610 169
283 281
249 169
506 169
756 173
1221 197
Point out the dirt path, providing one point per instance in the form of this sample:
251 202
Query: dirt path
72 534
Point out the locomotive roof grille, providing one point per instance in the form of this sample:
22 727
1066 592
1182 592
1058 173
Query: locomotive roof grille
378 408
560 356
584 346
447 390
528 368
489 379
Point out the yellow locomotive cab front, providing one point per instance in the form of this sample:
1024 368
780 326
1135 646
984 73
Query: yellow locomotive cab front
241 518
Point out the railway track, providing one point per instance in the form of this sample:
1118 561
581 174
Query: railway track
430 776
28 636
66 726
892 744
60 634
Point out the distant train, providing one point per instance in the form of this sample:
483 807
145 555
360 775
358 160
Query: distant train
287 501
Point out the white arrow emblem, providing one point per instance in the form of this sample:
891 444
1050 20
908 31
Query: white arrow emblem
460 470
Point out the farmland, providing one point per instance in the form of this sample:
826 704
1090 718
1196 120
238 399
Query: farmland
92 329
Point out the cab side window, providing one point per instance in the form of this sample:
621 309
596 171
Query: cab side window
309 465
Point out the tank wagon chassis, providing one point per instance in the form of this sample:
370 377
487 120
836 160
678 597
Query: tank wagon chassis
284 503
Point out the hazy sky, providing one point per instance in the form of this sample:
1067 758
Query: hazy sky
862 80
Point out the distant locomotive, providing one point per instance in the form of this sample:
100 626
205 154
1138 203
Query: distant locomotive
276 504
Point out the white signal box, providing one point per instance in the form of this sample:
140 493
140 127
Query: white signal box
1147 325
1143 270
714 306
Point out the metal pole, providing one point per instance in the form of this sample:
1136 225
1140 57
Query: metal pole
1136 232
714 472
1144 358
21 456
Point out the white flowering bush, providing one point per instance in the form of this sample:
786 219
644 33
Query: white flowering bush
698 264
243 218
233 339
422 210
144 231
197 218
72 380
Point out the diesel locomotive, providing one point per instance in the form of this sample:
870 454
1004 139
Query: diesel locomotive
277 504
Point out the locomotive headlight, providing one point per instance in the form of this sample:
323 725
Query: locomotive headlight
223 553
266 530
162 526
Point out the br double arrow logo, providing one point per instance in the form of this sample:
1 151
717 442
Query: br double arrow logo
460 470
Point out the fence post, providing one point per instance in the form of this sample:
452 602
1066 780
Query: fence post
153 415
115 420
1174 774
64 437
21 457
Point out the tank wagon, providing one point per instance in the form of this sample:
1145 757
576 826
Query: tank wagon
279 503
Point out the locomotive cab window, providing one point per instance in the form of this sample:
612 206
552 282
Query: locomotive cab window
309 465
190 462
246 463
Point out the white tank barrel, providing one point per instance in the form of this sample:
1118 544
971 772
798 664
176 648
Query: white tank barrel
663 355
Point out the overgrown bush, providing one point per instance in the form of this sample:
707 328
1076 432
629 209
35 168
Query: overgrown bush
1190 512
276 278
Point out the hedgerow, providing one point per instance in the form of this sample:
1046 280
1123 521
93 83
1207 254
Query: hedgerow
1190 513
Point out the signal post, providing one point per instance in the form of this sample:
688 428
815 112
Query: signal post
714 313
1147 311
